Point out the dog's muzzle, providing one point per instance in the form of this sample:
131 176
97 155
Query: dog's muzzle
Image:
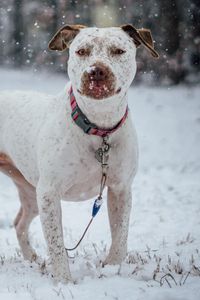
98 82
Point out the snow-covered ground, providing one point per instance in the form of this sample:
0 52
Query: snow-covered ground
163 262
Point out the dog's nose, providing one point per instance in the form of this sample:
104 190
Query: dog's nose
97 73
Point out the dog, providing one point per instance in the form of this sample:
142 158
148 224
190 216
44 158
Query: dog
50 155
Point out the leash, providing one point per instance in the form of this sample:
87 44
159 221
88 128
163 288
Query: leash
102 156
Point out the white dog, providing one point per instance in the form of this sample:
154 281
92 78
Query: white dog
48 143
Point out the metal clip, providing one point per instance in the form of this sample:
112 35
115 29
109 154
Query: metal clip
101 154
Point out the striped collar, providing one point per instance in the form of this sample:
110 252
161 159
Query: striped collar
90 128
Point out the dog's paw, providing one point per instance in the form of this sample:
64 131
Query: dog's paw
30 255
114 259
62 278
61 274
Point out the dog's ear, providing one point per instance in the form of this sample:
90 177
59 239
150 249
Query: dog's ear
141 36
61 40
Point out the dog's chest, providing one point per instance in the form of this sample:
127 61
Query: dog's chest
86 171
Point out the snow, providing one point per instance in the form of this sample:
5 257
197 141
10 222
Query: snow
164 236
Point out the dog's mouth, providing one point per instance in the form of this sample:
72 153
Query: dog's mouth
98 82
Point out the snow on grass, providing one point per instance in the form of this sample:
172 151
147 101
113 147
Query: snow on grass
163 262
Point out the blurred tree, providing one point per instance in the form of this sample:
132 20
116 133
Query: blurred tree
1 35
73 4
194 36
53 26
169 23
17 36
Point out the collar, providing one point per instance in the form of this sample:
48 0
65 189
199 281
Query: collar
84 123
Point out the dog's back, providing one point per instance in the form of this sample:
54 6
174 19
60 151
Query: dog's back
22 115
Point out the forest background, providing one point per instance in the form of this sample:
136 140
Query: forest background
27 26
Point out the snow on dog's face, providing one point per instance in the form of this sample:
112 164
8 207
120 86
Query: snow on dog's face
102 60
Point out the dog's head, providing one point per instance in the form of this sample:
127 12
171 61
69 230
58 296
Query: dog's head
102 60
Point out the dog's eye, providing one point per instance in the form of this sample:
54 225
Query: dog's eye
117 51
83 52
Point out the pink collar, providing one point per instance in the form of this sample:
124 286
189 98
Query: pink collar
90 128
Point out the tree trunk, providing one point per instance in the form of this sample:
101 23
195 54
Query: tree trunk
18 33
169 22
54 22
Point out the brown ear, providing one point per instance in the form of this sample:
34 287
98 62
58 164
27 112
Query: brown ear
64 36
141 36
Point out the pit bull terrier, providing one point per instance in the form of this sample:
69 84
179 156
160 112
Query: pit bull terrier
48 143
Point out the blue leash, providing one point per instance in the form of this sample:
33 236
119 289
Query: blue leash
96 207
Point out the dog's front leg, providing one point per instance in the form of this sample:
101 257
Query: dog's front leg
119 208
49 206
